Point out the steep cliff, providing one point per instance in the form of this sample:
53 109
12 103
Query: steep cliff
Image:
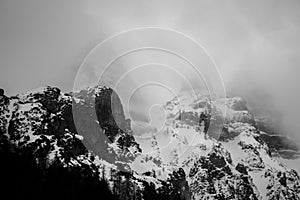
85 139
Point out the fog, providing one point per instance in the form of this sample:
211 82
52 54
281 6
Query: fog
255 44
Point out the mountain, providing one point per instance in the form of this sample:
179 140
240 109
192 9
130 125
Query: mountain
279 143
239 165
77 145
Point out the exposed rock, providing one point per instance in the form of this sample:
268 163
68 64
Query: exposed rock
214 178
1 92
87 131
239 104
280 144
241 168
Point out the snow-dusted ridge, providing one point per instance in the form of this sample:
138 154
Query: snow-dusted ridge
178 162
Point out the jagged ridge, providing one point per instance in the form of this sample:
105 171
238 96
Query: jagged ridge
99 139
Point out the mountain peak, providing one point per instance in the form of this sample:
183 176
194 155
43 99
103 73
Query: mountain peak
87 129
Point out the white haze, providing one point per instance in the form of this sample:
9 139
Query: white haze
254 43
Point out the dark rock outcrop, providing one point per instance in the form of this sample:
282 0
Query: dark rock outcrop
214 178
46 116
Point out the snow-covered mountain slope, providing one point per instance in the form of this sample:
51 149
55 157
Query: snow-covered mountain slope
236 165
280 144
88 129
80 136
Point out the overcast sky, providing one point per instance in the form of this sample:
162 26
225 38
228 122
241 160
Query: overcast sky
254 43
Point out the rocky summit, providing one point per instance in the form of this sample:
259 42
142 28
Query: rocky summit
80 145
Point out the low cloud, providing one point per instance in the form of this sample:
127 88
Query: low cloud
254 43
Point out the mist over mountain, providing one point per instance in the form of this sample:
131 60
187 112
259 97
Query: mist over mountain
180 100
255 53
97 152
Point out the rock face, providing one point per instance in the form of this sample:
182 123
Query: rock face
213 177
279 144
98 116
238 166
47 113
43 119
67 142
41 151
83 140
